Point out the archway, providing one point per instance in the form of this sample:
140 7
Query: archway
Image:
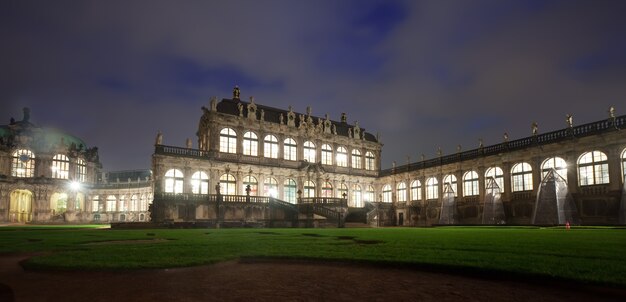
21 206
58 203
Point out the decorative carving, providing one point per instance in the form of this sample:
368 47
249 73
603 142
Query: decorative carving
302 122
236 92
612 112
159 138
327 125
252 109
569 119
291 118
344 118
480 143
213 103
281 119
262 115
535 128
240 107
357 130
188 143
505 137
334 129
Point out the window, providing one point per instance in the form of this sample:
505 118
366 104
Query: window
369 194
228 185
228 140
343 189
451 179
250 144
60 166
309 151
470 184
356 196
270 146
134 203
174 181
432 188
497 175
342 157
111 201
309 189
252 182
143 204
370 161
95 204
356 159
290 190
327 155
386 193
522 177
123 206
290 149
593 169
23 164
624 166
80 170
199 183
556 163
401 191
270 187
327 189
416 190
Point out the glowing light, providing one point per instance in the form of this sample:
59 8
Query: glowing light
74 185
272 192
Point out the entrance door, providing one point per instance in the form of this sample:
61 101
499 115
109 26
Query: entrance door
21 206
400 218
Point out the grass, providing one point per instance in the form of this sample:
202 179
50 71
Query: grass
595 256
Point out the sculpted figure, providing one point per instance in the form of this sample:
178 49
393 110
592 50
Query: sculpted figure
240 107
569 120
188 143
159 138
236 92
281 119
535 128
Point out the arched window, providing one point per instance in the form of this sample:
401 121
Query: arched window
309 151
309 189
451 179
356 196
386 193
23 164
143 203
342 157
123 204
134 203
199 183
80 170
327 155
95 204
327 189
593 169
370 161
432 188
624 166
343 189
497 175
270 147
522 177
228 140
416 190
250 144
252 182
369 194
470 184
228 184
111 201
289 149
291 189
174 181
555 163
60 166
356 159
270 187
401 191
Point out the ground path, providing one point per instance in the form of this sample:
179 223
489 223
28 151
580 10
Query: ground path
276 281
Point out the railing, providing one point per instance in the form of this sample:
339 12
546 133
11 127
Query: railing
211 198
541 139
283 204
324 200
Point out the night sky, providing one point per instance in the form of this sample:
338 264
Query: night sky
422 73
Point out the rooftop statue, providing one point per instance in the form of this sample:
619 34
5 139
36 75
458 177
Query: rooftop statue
236 92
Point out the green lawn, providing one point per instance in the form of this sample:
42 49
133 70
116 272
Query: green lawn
585 255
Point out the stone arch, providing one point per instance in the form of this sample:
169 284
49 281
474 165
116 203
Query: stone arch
21 206
58 203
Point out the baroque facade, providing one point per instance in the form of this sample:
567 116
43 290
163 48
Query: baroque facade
49 176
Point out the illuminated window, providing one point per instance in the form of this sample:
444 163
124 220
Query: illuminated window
416 190
228 140
174 181
250 144
228 185
370 161
369 194
60 166
593 169
342 157
309 189
356 159
470 184
327 189
291 189
309 151
327 155
497 175
252 182
401 191
270 146
79 203
123 204
111 201
80 170
386 193
95 204
270 187
134 203
199 183
624 166
290 149
356 196
522 177
451 179
343 189
556 163
58 203
432 188
23 164
143 203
